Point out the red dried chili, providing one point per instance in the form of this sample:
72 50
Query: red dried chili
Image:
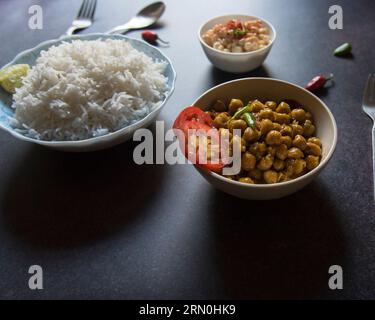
318 82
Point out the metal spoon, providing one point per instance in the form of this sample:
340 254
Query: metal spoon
144 18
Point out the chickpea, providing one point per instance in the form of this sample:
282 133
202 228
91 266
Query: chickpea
312 162
286 130
271 105
243 145
282 152
234 105
237 124
237 49
248 161
278 164
299 166
256 106
283 107
297 129
289 172
313 149
287 141
309 116
281 118
236 140
255 174
271 150
219 106
225 133
295 167
217 45
270 176
251 135
265 163
298 114
246 180
282 177
258 149
315 140
276 126
273 138
266 114
308 128
265 126
295 153
299 142
221 120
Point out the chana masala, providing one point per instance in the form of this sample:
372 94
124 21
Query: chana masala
236 37
277 141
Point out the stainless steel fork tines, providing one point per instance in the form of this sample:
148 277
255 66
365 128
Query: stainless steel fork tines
85 17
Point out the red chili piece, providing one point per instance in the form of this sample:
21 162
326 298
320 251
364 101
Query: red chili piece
151 37
318 82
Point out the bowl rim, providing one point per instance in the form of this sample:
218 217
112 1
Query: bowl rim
311 173
107 136
267 47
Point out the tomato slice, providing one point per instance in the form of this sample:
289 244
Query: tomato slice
192 114
233 24
193 119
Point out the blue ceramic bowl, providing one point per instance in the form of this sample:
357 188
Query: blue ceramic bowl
102 142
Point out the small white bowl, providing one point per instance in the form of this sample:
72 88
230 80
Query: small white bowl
236 62
277 90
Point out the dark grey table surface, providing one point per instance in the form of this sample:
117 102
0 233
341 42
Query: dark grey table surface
102 227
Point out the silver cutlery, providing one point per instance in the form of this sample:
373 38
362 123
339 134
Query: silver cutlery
144 18
84 17
368 106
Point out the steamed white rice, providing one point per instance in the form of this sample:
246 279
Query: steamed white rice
85 89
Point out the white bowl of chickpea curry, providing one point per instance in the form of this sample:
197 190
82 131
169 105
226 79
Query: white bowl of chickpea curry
237 43
293 136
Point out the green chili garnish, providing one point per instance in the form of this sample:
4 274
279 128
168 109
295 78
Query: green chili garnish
249 118
343 50
238 33
241 111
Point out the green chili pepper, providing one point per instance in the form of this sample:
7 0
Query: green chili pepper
238 33
343 50
249 118
241 111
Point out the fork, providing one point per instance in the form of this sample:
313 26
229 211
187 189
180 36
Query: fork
368 106
84 17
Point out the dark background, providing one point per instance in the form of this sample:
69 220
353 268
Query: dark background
103 227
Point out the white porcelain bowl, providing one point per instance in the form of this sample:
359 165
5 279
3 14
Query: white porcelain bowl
278 90
235 62
96 143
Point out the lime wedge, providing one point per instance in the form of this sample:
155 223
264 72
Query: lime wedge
11 77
